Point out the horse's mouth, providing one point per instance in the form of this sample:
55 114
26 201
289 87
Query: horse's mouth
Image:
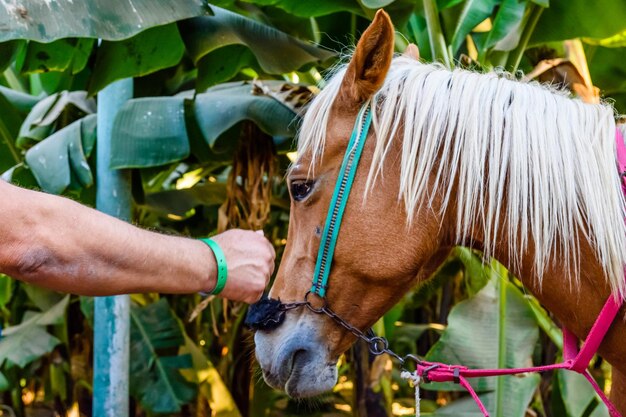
294 359
302 379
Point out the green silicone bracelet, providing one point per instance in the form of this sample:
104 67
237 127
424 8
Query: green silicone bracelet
222 269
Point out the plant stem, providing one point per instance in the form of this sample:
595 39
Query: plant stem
501 279
317 38
353 26
545 323
515 56
435 34
13 80
8 140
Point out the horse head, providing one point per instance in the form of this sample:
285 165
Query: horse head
371 269
517 170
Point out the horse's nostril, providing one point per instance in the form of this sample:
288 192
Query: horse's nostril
299 356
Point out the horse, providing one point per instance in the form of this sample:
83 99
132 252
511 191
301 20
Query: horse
515 169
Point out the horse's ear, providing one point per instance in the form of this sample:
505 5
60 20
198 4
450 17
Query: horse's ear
370 62
412 51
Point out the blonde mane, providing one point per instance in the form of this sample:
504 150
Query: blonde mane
519 153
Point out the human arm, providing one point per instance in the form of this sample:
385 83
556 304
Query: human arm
59 244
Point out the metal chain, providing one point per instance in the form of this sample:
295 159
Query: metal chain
377 345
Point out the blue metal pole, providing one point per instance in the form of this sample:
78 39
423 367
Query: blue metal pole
112 314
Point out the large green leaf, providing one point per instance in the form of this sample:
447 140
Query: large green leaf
616 41
6 289
21 101
149 132
155 378
494 329
211 383
42 119
275 51
8 50
152 50
43 298
474 12
45 21
10 121
506 25
476 273
376 4
577 394
517 400
225 105
313 8
152 131
61 157
607 69
568 19
180 202
64 54
29 340
223 64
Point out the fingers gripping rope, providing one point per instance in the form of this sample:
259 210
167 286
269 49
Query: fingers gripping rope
415 380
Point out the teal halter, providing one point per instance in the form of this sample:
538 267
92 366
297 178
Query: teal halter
339 200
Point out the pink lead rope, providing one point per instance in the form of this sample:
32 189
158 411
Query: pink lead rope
573 358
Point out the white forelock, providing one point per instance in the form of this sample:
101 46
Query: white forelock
515 153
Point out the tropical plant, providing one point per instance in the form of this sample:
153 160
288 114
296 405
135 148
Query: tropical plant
218 90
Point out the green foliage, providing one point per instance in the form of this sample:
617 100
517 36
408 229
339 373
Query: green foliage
575 18
578 395
153 131
111 20
313 9
155 378
8 50
149 51
275 51
28 341
494 329
64 54
474 12
61 158
9 127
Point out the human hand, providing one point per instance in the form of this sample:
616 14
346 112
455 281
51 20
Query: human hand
250 261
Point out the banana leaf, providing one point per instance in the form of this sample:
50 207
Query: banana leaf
474 12
46 21
275 51
10 122
494 329
64 54
62 157
569 19
41 120
578 395
29 340
155 376
149 51
312 8
211 383
153 131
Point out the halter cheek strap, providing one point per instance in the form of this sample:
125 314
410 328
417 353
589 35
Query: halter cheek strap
339 200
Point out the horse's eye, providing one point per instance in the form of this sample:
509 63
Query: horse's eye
300 189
